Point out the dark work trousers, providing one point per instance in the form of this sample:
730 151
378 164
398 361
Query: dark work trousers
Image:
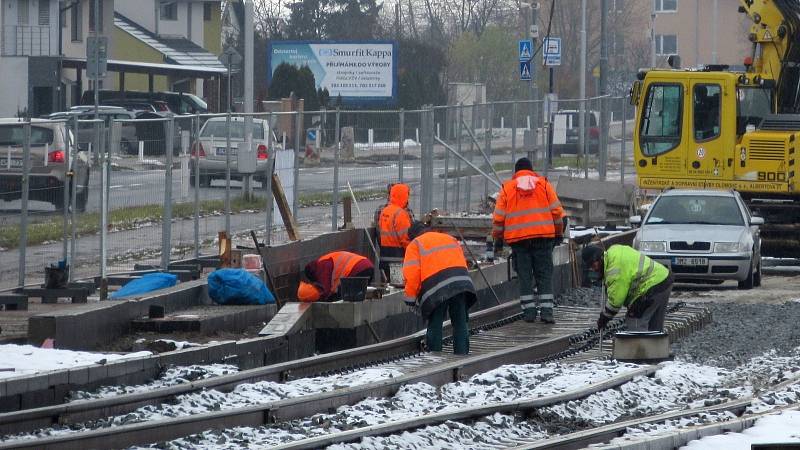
534 258
457 307
647 313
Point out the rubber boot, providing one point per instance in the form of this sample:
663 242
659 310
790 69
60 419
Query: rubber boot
547 315
529 315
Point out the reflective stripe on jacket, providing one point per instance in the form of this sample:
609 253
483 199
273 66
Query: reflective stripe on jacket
527 208
435 270
393 224
628 275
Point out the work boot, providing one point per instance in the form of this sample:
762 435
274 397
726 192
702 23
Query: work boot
547 315
529 315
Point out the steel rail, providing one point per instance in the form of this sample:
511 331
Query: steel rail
466 413
259 415
85 410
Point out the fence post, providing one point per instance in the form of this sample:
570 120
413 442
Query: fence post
400 147
228 173
298 126
605 121
623 136
488 137
23 226
513 132
268 186
65 200
166 221
105 167
196 155
459 131
426 160
335 199
446 161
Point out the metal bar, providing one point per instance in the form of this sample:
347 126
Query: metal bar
402 117
481 172
228 164
166 221
270 169
459 131
446 172
196 155
25 186
298 125
335 199
73 150
623 136
485 158
65 203
513 132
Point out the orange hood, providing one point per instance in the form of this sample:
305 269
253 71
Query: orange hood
307 292
398 195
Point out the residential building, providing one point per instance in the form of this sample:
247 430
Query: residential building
29 62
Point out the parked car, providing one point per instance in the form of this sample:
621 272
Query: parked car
703 236
564 133
178 102
86 130
50 144
140 105
211 149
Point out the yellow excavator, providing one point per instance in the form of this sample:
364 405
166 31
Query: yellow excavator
712 128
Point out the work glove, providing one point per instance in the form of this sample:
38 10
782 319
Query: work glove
410 302
602 321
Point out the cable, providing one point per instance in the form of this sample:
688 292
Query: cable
547 36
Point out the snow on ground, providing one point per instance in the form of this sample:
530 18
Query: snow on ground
783 428
171 377
27 360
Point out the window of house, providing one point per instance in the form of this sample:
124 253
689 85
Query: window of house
76 22
44 12
91 15
660 129
666 44
207 11
168 10
23 17
706 106
665 5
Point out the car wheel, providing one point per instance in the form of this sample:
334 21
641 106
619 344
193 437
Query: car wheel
748 282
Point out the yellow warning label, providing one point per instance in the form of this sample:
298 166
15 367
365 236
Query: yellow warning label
744 186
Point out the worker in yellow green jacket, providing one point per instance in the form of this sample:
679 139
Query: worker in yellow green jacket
634 281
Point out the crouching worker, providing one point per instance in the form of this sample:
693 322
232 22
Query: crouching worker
392 224
437 281
325 274
632 280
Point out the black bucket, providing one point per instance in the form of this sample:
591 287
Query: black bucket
353 289
56 277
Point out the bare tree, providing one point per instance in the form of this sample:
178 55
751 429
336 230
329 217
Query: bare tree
270 17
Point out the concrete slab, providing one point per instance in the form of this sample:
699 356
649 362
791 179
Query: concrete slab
208 318
291 318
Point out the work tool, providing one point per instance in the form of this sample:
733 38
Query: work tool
471 255
270 281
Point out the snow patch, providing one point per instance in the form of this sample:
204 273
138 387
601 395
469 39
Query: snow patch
29 360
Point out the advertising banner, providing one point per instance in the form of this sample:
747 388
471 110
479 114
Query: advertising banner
359 71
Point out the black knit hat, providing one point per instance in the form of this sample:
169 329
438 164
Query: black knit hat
591 254
523 164
417 228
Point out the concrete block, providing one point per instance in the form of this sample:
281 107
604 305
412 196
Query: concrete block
57 377
16 386
79 376
38 382
117 369
98 373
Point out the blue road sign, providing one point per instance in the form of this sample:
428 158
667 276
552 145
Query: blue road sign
551 51
525 70
525 49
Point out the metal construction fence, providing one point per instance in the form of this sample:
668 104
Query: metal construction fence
104 194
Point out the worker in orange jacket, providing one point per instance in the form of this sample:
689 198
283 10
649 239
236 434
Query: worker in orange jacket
529 217
437 281
392 225
325 274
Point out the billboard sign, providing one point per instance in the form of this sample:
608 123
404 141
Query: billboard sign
359 71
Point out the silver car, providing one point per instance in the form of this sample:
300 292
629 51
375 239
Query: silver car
212 148
703 236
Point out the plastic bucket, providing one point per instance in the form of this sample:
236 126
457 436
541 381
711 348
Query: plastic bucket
353 289
251 262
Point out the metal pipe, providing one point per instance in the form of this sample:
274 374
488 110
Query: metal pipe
270 169
335 199
166 221
196 218
622 141
298 125
460 131
582 89
400 149
25 186
228 164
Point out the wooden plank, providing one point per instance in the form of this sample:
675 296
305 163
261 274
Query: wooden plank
284 208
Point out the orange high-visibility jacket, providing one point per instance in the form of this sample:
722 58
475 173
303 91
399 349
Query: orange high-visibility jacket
393 224
435 270
328 270
527 208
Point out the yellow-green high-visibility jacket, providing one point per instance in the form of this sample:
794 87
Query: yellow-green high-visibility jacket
628 275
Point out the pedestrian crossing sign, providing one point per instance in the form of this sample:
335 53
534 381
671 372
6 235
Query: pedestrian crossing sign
525 70
525 49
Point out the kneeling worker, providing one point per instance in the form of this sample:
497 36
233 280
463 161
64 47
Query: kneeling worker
632 280
437 280
325 274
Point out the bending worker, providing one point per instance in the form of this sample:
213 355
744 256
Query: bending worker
632 280
325 274
529 217
437 280
393 223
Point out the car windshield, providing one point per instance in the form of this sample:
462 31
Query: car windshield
216 128
14 135
696 210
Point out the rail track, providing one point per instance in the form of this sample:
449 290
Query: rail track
498 338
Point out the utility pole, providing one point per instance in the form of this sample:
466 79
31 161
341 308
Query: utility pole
248 90
582 90
604 116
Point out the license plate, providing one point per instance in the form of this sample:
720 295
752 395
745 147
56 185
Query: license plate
13 163
221 151
691 261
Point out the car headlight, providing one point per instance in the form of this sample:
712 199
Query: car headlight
653 246
726 247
